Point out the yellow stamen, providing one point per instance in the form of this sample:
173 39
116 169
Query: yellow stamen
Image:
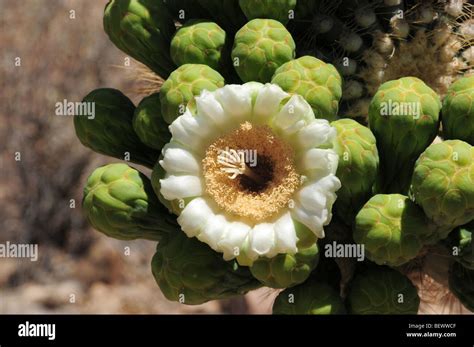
254 192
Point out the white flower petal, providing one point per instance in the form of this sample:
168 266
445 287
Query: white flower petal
254 88
285 234
294 128
209 108
290 115
314 223
318 162
313 203
262 240
268 102
178 160
213 231
236 100
333 162
180 187
192 132
318 132
233 243
318 195
194 217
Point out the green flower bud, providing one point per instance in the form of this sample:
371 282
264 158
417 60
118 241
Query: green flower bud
183 85
148 123
143 30
280 10
286 270
190 272
119 202
404 117
110 131
458 111
381 290
311 297
357 168
199 42
443 183
391 228
319 83
260 47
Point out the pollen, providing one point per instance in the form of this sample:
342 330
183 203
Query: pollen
250 173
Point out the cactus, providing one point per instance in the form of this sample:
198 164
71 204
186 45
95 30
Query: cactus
119 201
392 228
442 183
358 166
227 222
183 84
143 30
312 297
286 270
458 111
404 117
381 290
260 47
199 42
149 124
190 272
319 83
110 131
280 10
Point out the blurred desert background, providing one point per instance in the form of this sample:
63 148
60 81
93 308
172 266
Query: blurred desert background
79 270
